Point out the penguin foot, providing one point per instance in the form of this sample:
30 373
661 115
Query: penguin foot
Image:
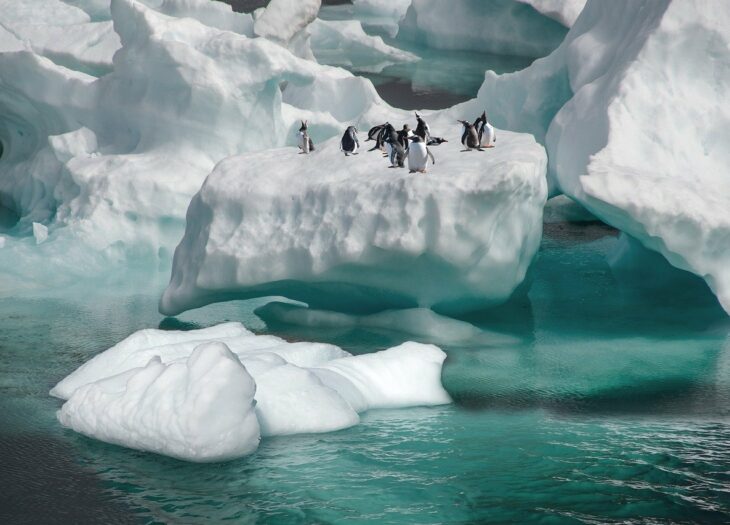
355 153
491 146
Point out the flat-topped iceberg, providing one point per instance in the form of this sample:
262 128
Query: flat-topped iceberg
209 394
351 234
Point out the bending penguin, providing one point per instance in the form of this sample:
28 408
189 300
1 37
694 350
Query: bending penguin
305 143
418 154
485 130
349 143
470 138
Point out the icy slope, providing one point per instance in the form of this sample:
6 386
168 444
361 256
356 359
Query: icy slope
631 109
191 395
350 234
501 27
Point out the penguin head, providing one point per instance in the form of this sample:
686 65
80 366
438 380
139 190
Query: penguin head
304 126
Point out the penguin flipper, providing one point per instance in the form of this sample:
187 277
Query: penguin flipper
433 160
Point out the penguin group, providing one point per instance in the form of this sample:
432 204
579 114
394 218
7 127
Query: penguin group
405 145
478 135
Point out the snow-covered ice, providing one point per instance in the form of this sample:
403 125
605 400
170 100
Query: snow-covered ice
564 11
193 395
351 234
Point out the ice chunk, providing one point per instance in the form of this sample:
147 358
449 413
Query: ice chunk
349 234
504 27
286 21
147 392
40 232
198 410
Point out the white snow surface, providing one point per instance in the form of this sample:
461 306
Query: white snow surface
350 234
501 27
631 109
203 395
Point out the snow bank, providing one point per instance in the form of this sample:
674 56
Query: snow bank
201 409
504 27
631 109
146 392
352 235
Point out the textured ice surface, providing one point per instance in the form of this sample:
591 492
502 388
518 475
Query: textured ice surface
350 234
197 409
503 27
190 394
604 104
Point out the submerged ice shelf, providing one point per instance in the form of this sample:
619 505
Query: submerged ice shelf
210 394
352 234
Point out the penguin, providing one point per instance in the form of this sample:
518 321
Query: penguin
470 138
378 133
404 134
435 141
418 154
349 143
422 129
485 130
305 143
396 150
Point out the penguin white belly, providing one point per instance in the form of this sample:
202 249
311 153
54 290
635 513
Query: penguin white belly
304 142
488 135
388 149
354 148
417 156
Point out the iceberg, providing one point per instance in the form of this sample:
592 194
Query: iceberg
603 104
209 394
352 235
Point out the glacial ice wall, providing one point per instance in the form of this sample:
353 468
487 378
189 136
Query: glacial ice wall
501 27
631 109
209 394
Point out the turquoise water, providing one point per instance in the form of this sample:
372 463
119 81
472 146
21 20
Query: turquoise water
591 399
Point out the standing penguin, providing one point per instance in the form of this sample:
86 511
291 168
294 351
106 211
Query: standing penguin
418 154
396 149
305 143
349 143
422 129
470 138
485 130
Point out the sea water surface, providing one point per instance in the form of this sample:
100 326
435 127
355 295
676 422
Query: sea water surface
592 398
